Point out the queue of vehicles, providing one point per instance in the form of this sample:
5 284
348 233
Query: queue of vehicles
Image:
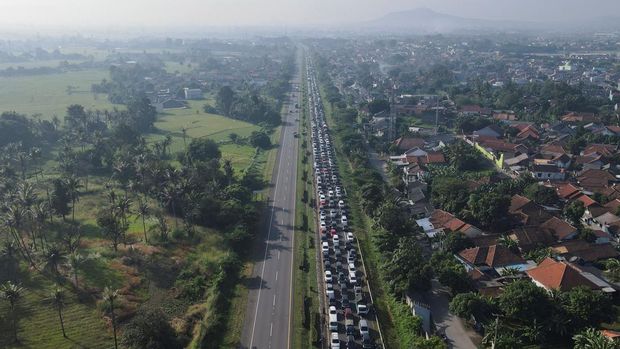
343 281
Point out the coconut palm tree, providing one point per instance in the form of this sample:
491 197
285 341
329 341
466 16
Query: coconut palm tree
8 254
593 339
12 293
110 296
144 211
73 187
53 258
76 261
57 299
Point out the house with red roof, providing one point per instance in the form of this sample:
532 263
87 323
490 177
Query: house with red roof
553 275
496 257
595 180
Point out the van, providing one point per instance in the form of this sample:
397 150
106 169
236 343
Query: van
333 322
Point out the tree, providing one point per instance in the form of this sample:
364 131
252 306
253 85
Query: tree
574 211
456 242
73 187
586 308
593 339
260 139
144 211
466 305
463 157
57 299
612 269
203 149
449 194
488 209
150 329
450 273
378 105
406 268
76 261
13 294
524 301
110 296
53 258
541 194
224 100
61 198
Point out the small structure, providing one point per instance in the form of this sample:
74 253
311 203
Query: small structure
192 93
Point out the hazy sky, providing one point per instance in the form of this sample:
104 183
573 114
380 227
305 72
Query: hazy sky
165 13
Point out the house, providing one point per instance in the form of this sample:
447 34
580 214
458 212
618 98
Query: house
595 180
495 257
613 131
548 172
491 131
553 150
584 251
474 110
528 133
192 93
553 275
560 229
531 238
605 150
579 117
526 212
379 125
613 336
505 116
567 191
440 222
604 222
406 143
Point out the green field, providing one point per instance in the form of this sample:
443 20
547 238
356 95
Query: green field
47 94
200 124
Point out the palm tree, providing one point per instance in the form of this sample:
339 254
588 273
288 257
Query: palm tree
53 258
76 261
509 243
73 187
57 299
110 297
593 339
8 254
144 211
14 220
12 293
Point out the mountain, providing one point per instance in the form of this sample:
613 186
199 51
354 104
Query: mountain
427 21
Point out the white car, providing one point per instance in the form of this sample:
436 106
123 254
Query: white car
362 309
352 278
341 204
350 236
364 328
335 341
328 276
344 221
336 240
352 268
332 310
325 247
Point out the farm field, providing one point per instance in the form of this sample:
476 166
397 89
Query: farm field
200 124
47 94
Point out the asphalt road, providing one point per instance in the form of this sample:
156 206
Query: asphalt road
267 322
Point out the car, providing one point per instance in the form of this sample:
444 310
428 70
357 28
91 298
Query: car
352 268
336 240
348 313
329 286
331 296
351 342
338 266
325 247
333 322
334 343
323 225
351 258
364 330
352 278
358 291
362 309
350 236
344 221
349 326
328 276
367 342
332 213
332 310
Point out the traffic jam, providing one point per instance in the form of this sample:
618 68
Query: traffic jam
347 317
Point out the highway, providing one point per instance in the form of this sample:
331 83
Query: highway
267 322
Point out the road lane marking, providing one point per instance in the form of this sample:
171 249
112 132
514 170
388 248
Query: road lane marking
262 274
278 255
274 300
276 276
271 330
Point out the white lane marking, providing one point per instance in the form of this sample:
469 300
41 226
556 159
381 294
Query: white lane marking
278 255
271 330
276 278
262 274
274 300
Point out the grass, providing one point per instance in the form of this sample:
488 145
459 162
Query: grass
47 95
39 327
200 124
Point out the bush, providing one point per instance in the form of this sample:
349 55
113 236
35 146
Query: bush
150 328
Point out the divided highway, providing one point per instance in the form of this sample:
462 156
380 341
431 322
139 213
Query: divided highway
267 322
